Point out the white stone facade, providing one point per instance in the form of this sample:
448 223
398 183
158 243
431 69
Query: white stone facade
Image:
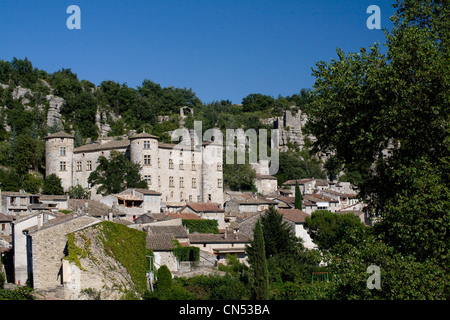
180 173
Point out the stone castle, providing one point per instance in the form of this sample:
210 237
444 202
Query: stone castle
182 173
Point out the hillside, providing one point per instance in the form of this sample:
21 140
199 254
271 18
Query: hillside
34 103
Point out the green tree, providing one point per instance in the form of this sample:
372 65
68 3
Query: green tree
257 258
32 183
78 192
116 174
389 113
52 185
328 229
278 234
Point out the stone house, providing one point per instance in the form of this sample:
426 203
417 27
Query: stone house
221 244
306 186
247 202
266 184
321 202
344 200
179 232
17 203
21 258
46 245
96 209
57 202
206 211
162 245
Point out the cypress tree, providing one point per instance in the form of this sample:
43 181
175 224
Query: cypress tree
257 258
298 197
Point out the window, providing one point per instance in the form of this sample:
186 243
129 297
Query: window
170 164
79 165
181 165
146 144
219 167
198 198
89 165
190 198
159 163
181 182
62 151
171 182
147 160
194 168
62 166
159 181
194 182
181 196
148 179
209 197
219 183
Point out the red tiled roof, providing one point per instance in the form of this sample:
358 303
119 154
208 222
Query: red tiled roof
185 215
204 207
294 215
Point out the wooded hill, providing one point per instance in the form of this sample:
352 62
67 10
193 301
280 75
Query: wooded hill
35 103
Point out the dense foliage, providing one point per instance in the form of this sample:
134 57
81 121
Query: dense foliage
201 225
116 174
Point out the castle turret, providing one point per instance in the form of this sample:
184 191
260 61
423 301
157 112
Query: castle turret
144 150
212 174
59 157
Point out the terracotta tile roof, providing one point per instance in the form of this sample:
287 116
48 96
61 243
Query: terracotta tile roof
289 200
204 207
294 215
184 215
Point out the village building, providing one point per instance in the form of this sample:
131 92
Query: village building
183 172
246 202
221 244
210 211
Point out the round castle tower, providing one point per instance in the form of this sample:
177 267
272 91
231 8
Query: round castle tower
59 157
144 150
212 175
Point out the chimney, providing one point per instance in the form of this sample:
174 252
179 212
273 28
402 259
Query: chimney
110 216
39 221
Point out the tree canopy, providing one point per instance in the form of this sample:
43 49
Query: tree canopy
116 174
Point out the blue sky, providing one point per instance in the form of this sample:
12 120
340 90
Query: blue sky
221 49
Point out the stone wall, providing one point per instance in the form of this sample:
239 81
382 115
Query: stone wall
48 250
99 271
